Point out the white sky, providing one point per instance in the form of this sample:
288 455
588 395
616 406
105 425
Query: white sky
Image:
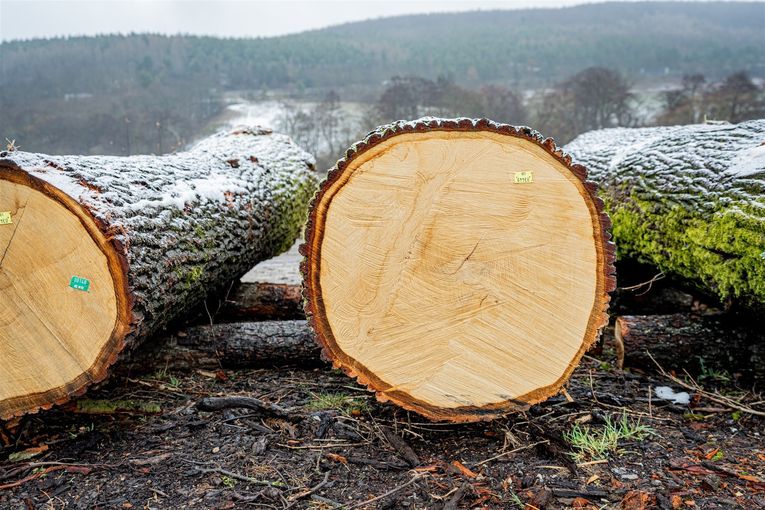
25 19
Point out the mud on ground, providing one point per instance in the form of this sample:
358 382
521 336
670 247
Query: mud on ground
144 443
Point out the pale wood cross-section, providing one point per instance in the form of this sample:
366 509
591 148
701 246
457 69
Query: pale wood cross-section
446 281
50 332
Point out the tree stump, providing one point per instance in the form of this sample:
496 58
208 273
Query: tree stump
98 253
458 268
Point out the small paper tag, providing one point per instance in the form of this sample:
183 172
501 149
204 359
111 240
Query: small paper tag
523 177
5 218
78 283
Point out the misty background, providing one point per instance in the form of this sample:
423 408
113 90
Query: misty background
116 77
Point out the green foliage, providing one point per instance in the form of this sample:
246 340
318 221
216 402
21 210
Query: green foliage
94 406
710 374
340 401
592 444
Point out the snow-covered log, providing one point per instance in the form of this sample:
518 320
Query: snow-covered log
687 199
99 253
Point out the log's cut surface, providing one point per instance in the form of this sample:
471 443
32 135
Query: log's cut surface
687 199
97 253
459 268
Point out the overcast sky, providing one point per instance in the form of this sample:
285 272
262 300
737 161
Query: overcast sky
24 19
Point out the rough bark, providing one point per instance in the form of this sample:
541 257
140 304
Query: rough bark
262 301
173 228
229 345
699 344
434 280
687 199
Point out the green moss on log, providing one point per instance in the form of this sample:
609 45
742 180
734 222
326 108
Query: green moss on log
687 199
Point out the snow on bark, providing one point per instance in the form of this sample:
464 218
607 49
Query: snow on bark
188 224
689 199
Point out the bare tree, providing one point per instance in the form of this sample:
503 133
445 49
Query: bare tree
736 99
686 104
594 98
503 105
328 118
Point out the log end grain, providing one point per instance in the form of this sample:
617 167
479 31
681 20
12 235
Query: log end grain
457 268
63 295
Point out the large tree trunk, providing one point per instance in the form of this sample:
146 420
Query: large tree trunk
702 345
460 269
687 199
98 253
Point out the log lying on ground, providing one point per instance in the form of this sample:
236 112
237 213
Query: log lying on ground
98 253
698 344
229 345
687 199
262 301
458 268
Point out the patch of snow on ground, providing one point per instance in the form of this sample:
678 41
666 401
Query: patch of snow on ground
667 393
262 113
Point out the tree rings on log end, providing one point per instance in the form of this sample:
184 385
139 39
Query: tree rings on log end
63 299
460 269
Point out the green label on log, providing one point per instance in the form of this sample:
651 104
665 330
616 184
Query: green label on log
523 177
5 218
79 283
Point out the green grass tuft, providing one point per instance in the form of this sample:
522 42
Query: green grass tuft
340 401
589 444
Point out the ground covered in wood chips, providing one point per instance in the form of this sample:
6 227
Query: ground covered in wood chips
609 443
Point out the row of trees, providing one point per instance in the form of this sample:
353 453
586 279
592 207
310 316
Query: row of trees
594 98
735 99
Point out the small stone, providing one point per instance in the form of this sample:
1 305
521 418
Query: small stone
711 482
624 473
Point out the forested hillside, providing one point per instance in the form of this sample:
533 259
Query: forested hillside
149 93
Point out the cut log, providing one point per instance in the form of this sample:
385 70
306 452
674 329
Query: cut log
229 345
699 344
98 253
262 301
687 199
458 268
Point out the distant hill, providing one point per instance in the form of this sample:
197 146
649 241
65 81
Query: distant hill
74 93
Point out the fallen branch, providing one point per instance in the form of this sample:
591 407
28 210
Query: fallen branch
300 495
255 404
415 478
235 345
69 468
242 478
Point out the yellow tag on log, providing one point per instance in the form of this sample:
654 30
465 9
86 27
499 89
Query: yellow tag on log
523 177
5 218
